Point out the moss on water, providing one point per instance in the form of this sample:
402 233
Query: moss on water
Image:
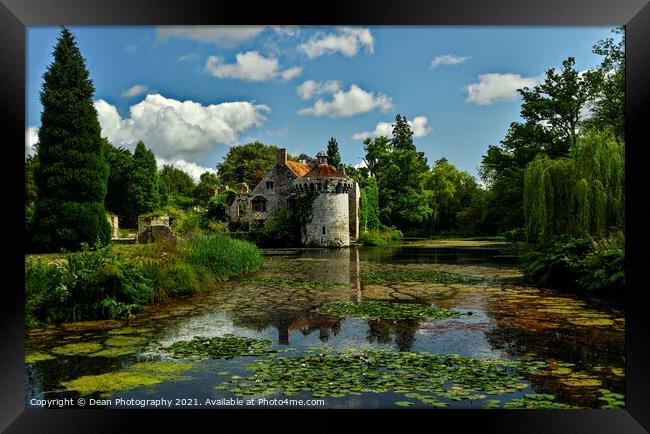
129 331
138 375
36 357
77 348
125 341
115 352
412 275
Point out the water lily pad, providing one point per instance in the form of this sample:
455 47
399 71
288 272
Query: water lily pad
389 310
32 358
403 403
221 347
125 341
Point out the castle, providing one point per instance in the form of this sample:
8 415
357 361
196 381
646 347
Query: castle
335 208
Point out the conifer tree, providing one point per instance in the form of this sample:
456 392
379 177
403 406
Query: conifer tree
144 195
72 175
333 155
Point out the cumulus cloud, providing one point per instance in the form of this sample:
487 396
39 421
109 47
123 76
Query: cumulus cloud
310 88
419 126
349 103
448 59
177 130
138 89
347 41
497 87
291 73
250 66
192 169
222 36
31 138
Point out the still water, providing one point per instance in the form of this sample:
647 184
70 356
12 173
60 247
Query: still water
580 341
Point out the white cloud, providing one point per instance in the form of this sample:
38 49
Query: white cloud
250 66
192 169
31 138
345 104
138 89
448 59
347 41
222 36
419 126
177 130
310 88
497 87
291 73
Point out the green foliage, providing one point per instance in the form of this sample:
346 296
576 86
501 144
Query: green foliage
448 191
218 205
206 188
247 163
388 310
369 206
143 190
178 182
183 279
422 376
380 237
223 256
333 155
580 194
221 347
120 163
88 285
72 174
578 263
398 168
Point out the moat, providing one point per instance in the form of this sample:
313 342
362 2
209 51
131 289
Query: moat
509 345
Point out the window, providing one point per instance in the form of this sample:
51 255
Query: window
269 185
324 231
259 205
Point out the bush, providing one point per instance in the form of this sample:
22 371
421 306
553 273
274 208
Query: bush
578 263
379 237
183 279
89 285
223 256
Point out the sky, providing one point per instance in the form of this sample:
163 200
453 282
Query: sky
189 93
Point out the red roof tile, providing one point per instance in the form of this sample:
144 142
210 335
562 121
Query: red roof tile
324 171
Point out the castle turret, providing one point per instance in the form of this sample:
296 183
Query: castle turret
329 224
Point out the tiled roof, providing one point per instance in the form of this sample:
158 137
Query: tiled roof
298 168
324 171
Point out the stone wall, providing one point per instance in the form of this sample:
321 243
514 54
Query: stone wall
115 226
154 229
330 215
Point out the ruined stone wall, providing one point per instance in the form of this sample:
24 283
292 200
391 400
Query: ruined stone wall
115 226
353 203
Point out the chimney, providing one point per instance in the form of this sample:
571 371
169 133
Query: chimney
281 156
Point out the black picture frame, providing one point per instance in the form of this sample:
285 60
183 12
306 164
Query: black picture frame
15 15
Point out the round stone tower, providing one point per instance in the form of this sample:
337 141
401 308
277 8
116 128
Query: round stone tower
329 225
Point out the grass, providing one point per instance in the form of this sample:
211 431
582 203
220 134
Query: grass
223 256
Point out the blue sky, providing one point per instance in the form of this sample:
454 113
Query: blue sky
191 92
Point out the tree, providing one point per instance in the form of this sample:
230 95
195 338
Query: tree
581 194
177 182
120 163
449 192
402 135
608 80
398 168
247 163
72 174
333 156
143 192
205 189
558 102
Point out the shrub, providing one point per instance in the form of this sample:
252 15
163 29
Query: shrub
46 293
603 269
379 237
183 279
223 256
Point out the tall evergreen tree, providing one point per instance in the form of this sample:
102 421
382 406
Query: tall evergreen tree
144 195
333 156
72 175
402 134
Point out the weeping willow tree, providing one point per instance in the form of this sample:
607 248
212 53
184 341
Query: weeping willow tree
581 194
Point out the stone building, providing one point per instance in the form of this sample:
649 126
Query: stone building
335 216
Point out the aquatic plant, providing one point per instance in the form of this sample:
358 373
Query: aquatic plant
422 376
410 275
220 347
389 310
223 256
